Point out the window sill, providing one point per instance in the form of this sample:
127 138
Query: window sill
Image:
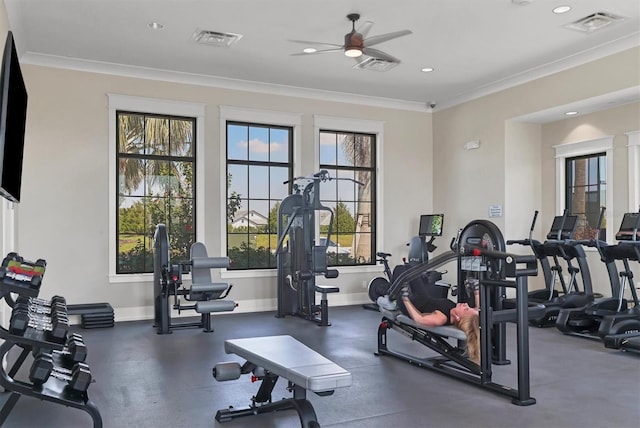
269 273
258 273
130 278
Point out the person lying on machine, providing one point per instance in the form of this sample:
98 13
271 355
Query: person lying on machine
429 311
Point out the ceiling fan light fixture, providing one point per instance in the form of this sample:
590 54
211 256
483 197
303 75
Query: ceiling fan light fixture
310 50
353 52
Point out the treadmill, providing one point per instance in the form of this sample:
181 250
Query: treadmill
622 331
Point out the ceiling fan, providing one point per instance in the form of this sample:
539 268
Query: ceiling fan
356 43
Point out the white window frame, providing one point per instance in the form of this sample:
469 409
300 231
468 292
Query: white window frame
585 148
151 106
633 148
264 117
363 126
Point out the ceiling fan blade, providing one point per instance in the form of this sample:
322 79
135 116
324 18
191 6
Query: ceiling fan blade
385 37
365 28
340 49
375 53
306 42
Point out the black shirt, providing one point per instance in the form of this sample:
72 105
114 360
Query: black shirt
426 304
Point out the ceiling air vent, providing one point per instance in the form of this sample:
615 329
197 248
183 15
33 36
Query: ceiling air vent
594 22
215 38
375 64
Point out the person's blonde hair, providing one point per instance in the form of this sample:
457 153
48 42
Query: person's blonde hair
471 327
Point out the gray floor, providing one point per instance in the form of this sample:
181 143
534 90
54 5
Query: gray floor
146 380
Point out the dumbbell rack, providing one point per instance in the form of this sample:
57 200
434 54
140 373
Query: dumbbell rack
32 341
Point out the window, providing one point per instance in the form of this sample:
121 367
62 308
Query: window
156 167
347 149
634 170
586 181
166 161
259 162
584 172
257 156
348 156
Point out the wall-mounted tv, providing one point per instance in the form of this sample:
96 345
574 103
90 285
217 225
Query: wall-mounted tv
13 116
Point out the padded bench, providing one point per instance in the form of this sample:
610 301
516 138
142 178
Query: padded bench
271 357
209 296
443 330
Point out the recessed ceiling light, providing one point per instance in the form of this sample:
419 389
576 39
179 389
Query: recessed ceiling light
571 113
155 25
309 50
426 69
561 9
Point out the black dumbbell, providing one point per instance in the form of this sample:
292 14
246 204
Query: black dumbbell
40 317
41 310
11 257
55 300
75 351
20 320
78 378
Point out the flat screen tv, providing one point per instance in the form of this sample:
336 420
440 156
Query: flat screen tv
563 227
629 228
431 225
13 116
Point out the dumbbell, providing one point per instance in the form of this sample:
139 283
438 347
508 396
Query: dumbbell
55 300
39 316
12 257
78 377
42 310
29 270
56 326
75 351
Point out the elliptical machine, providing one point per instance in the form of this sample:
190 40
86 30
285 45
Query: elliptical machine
622 330
299 259
557 246
589 321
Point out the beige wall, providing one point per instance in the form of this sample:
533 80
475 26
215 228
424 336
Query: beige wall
614 122
515 165
65 209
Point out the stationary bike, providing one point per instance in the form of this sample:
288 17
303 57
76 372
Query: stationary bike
419 249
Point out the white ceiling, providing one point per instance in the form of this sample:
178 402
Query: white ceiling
475 46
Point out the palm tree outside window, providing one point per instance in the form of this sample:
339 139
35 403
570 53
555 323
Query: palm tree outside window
155 181
349 155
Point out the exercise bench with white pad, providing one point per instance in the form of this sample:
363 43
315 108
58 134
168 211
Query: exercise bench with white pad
271 357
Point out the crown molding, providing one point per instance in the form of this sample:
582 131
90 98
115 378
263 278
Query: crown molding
67 63
597 52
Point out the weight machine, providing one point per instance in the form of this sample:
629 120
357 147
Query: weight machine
207 296
299 259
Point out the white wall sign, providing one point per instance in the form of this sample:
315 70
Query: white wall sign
495 211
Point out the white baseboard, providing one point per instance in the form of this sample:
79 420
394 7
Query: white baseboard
141 313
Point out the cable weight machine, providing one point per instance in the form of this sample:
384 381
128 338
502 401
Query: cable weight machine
299 259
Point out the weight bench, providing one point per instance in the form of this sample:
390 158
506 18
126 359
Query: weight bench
435 338
269 358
